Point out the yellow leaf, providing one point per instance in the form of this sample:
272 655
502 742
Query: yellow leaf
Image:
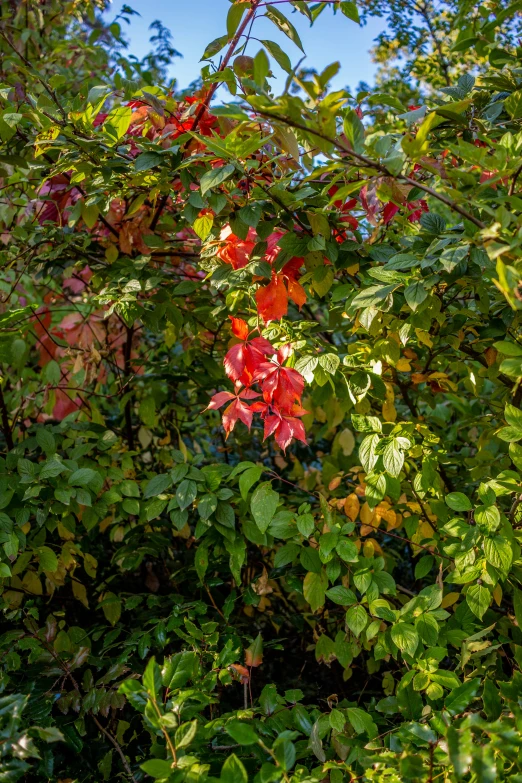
80 593
64 533
403 365
389 412
32 583
90 563
352 506
449 600
383 511
376 547
424 337
170 335
367 515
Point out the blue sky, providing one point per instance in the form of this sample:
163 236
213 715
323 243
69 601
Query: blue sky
194 23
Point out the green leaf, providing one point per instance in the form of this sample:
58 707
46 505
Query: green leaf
241 733
458 501
118 121
498 552
329 362
233 771
405 637
347 551
513 104
152 678
185 734
341 595
508 348
215 46
459 698
85 477
356 619
492 700
263 505
280 56
203 226
286 27
373 295
354 130
322 280
349 9
393 458
478 599
247 480
428 629
147 160
513 417
214 177
46 440
157 768
111 606
361 722
157 485
285 753
415 294
234 16
186 493
179 670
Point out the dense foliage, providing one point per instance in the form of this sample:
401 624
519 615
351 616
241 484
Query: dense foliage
260 403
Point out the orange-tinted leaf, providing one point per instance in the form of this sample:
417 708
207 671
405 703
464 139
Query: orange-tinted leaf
272 300
254 653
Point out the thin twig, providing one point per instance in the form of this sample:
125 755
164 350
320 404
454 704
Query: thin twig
368 162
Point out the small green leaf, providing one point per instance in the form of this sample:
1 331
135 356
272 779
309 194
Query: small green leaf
215 177
263 505
478 599
458 501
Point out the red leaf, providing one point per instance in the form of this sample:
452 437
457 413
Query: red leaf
239 327
285 429
390 210
296 293
218 400
282 386
237 410
236 251
243 358
235 361
272 299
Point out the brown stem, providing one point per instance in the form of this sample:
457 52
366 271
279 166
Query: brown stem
226 59
518 172
6 429
376 165
127 372
114 742
65 668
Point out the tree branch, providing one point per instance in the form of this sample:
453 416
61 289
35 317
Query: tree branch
376 165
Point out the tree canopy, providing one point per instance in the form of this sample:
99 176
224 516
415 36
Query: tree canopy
260 400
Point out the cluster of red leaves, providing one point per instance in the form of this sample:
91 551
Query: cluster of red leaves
247 364
272 299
